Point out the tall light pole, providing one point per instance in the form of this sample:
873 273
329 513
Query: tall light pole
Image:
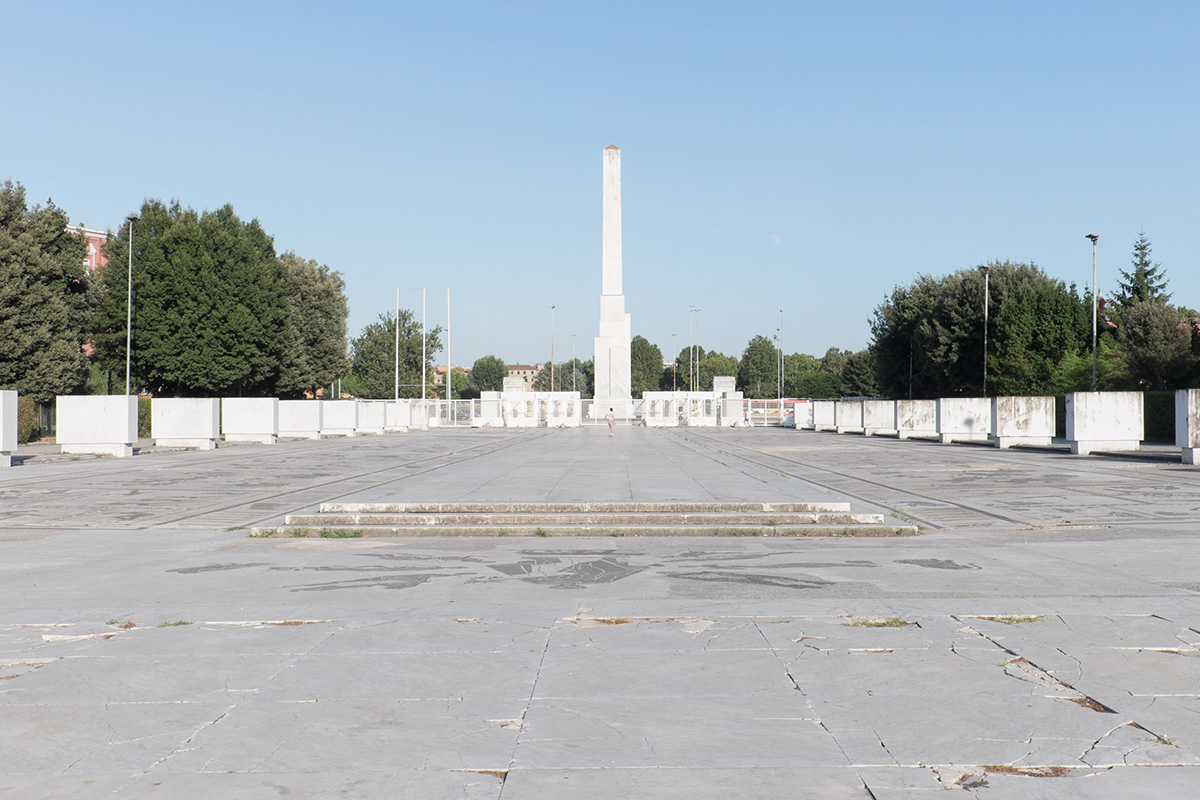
674 364
694 360
397 380
132 218
986 270
552 348
1095 238
573 362
782 363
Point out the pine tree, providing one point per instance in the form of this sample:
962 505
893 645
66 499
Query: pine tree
1147 281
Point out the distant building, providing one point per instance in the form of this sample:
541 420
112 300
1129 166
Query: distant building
527 372
96 239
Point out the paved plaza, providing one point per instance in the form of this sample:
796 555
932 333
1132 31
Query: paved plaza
1039 639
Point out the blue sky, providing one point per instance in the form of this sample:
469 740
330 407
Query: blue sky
798 156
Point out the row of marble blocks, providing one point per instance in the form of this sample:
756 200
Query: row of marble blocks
108 424
1111 421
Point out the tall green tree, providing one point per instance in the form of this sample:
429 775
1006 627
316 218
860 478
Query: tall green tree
1146 281
317 319
758 368
645 366
858 374
715 365
45 294
210 304
488 374
1156 344
373 358
683 369
928 338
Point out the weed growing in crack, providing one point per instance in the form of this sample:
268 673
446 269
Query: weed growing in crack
502 532
1015 619
903 517
113 622
1164 740
341 533
299 533
877 622
236 528
540 532
174 624
261 533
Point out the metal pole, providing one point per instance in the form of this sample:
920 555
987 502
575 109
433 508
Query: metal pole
423 352
397 392
129 303
1095 238
986 274
782 362
572 362
552 348
674 364
449 382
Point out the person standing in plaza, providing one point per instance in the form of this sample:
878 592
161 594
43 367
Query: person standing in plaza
609 419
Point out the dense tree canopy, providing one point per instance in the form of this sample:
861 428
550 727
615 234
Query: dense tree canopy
928 337
488 374
210 304
317 320
373 358
645 366
45 294
758 368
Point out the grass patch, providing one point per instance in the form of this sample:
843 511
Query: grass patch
299 533
877 622
174 624
744 533
262 533
1014 619
341 533
903 517
236 528
113 622
540 532
502 532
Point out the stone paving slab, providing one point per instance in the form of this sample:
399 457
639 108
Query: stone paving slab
543 668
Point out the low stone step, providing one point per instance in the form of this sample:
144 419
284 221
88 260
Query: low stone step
372 531
650 519
681 507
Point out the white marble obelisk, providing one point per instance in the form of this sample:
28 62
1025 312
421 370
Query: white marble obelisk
612 345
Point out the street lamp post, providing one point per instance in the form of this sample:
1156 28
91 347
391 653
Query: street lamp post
986 270
1095 238
552 348
132 218
782 358
674 364
573 362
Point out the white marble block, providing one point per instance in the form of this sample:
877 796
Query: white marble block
372 416
824 416
964 419
8 426
339 417
104 424
398 415
1187 424
250 419
848 416
879 416
1022 420
1105 421
186 422
300 419
916 418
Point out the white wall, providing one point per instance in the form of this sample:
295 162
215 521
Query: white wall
300 419
964 419
1022 420
916 418
824 418
372 416
1187 423
879 416
250 419
848 416
185 422
1104 421
8 426
104 424
398 415
339 417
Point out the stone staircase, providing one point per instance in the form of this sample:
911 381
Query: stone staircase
352 520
